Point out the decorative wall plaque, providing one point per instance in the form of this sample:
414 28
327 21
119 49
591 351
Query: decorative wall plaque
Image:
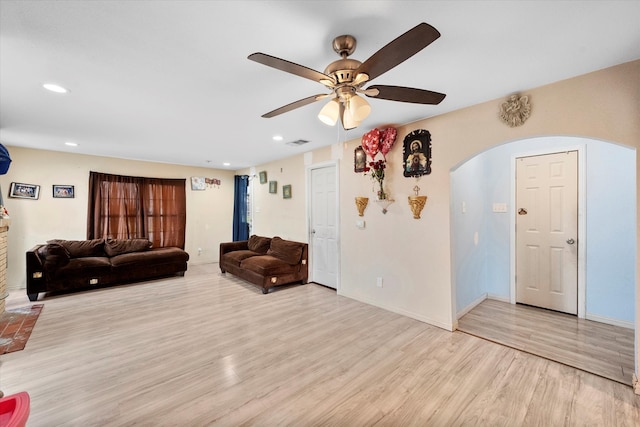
515 110
417 153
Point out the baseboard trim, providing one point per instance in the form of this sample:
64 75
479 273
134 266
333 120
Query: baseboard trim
610 321
397 310
499 298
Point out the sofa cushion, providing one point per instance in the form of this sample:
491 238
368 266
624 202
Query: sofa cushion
53 255
286 250
236 257
114 247
155 256
82 248
84 267
259 244
267 265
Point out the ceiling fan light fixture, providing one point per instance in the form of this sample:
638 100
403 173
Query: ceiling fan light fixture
359 108
348 121
329 113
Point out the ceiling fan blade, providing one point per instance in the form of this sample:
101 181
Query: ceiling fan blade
289 67
399 50
404 94
297 104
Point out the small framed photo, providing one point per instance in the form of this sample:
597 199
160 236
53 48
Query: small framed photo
359 160
273 187
263 177
198 183
24 191
286 191
64 191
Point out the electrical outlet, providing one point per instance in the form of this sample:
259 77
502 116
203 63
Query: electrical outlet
379 282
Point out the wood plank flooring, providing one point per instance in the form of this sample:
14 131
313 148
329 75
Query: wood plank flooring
595 347
208 349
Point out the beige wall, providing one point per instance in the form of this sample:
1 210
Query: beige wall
413 256
209 212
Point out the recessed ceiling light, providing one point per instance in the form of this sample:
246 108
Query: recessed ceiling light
55 88
277 138
71 144
226 164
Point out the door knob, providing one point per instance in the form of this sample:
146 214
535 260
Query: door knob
571 241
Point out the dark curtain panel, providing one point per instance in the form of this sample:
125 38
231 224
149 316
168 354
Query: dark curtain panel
126 207
240 225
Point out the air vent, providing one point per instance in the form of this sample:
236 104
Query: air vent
298 142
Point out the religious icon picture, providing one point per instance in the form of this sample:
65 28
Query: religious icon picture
416 153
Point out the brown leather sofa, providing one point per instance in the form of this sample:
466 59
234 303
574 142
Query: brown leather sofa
266 262
66 265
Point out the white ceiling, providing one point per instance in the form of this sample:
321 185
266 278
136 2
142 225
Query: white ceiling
169 81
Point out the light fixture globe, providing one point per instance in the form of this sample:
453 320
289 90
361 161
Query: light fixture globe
348 121
329 113
359 108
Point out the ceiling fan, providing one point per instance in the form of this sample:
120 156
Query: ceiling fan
346 77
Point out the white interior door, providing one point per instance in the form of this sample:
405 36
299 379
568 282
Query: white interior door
324 230
547 231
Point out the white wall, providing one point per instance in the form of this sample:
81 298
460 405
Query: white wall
610 216
209 212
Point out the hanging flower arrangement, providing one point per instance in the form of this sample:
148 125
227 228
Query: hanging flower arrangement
378 141
377 174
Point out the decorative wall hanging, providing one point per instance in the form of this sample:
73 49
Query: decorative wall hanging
63 191
273 187
515 110
263 177
212 181
361 204
373 142
416 153
416 203
286 191
359 159
24 191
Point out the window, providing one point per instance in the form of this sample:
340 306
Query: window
125 207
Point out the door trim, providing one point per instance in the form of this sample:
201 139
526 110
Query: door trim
582 225
336 165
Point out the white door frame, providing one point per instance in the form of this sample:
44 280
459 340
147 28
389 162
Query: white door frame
582 223
309 168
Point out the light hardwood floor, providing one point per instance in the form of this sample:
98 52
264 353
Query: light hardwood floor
595 347
208 349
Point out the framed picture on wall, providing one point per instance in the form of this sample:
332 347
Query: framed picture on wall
263 177
359 159
286 191
24 191
198 183
416 153
273 187
63 192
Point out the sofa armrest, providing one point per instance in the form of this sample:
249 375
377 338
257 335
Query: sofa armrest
35 269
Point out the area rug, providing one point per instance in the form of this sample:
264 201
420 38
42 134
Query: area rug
16 326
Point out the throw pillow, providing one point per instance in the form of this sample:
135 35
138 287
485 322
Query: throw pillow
286 250
53 256
82 248
259 244
115 247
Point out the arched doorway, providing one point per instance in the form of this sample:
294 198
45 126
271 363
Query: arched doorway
483 236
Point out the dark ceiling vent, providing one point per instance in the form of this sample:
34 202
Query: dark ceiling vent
298 142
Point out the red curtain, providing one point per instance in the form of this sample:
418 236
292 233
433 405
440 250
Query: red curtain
126 207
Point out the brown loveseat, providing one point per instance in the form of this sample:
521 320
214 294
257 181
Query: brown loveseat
266 262
65 265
